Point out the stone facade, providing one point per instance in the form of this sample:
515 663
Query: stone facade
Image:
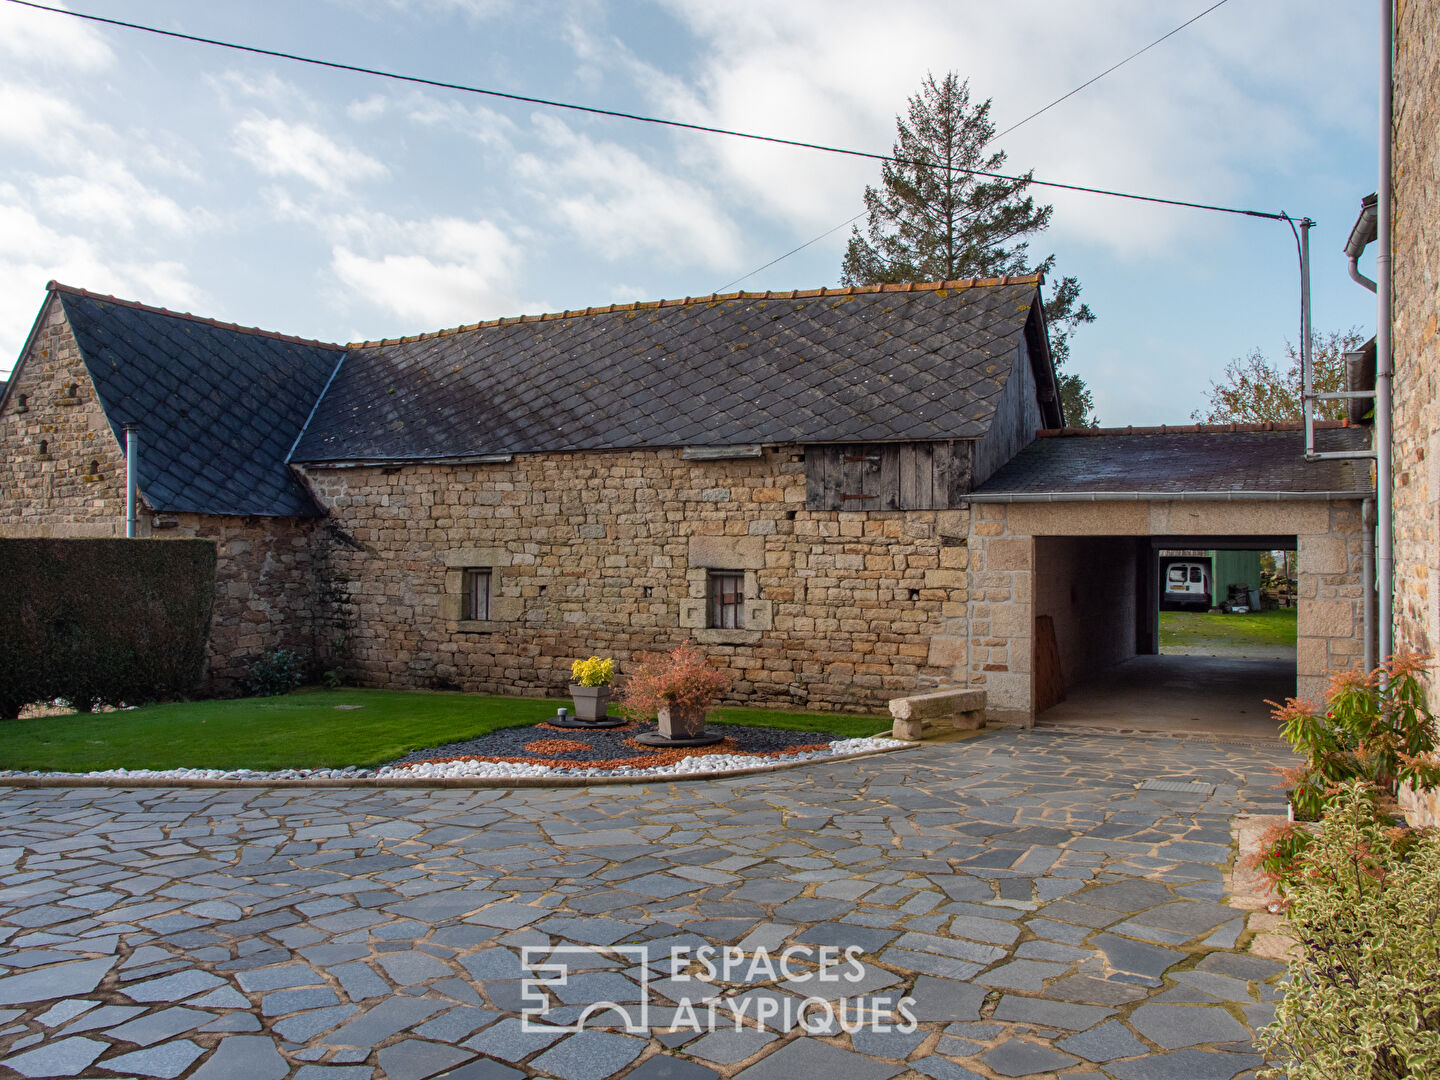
1004 567
61 469
608 553
265 567
1416 348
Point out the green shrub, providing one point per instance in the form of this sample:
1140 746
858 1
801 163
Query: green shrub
103 622
277 672
1375 728
1363 997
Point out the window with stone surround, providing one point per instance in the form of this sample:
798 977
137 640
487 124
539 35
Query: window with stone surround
727 600
476 583
723 579
476 596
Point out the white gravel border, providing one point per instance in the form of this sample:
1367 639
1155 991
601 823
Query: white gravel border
697 766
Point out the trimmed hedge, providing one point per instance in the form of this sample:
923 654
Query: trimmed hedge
103 622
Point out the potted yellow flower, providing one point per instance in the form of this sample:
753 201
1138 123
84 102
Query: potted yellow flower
592 682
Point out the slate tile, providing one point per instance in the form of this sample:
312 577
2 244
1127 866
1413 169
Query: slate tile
809 1059
166 1061
61 981
243 1057
1177 1026
1055 1014
1104 1043
64 1057
1020 1057
1185 1065
414 1059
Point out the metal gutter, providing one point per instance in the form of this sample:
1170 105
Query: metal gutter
1364 233
456 459
1384 362
1167 496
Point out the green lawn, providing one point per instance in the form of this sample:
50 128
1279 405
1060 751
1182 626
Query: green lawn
306 729
1191 629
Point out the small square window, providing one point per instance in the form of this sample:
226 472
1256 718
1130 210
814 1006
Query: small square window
477 594
727 600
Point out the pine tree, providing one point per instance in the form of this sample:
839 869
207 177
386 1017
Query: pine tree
929 221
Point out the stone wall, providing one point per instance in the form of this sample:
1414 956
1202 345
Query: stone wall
1416 278
76 487
266 567
1004 565
607 553
265 580
1088 588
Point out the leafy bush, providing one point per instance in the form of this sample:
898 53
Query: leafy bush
1363 998
1376 728
679 678
103 622
277 672
593 672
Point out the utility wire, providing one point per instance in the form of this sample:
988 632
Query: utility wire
1107 71
1012 127
639 118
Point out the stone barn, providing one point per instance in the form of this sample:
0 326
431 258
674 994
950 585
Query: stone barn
843 495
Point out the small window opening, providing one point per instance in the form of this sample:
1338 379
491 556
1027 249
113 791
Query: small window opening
71 390
789 515
24 400
649 591
914 594
727 599
94 466
44 446
477 594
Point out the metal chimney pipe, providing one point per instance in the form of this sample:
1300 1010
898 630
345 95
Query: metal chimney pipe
132 479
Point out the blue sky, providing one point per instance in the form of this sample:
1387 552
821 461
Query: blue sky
344 207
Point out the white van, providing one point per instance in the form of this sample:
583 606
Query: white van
1187 583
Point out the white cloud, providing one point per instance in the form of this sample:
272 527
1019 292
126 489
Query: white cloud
440 272
619 205
485 126
471 9
283 148
106 193
1212 114
44 39
32 253
39 122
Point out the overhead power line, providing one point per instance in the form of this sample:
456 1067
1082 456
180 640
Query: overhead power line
1107 71
637 117
1019 123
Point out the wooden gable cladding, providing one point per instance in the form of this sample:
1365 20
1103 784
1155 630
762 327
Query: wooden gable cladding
887 476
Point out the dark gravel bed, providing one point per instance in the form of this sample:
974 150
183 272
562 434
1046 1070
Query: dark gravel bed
609 744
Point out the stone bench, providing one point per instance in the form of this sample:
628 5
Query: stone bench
960 709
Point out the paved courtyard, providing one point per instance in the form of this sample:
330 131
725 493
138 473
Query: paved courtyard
1043 915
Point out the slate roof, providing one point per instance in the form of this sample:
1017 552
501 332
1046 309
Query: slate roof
219 406
895 363
1157 462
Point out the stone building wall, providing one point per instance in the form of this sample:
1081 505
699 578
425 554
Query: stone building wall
1004 567
607 553
58 492
1416 350
265 567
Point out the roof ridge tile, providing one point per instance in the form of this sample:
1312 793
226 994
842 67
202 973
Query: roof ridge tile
714 298
273 335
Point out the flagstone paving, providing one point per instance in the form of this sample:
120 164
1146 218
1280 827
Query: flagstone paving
1046 917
